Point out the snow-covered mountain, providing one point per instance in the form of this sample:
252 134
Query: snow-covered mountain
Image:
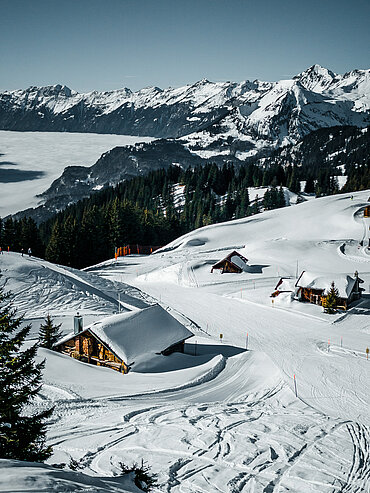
255 113
286 111
204 121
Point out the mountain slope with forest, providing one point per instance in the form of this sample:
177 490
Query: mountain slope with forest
319 159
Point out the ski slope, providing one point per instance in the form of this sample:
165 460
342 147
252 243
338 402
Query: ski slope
219 417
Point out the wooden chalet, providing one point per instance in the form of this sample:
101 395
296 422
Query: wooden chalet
313 288
233 263
119 341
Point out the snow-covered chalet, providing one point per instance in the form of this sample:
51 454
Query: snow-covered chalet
234 262
313 287
120 341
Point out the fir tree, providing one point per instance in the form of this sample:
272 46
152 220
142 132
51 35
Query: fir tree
54 249
22 437
281 197
330 302
49 333
310 185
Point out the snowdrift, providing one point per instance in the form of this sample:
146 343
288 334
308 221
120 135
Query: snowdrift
33 477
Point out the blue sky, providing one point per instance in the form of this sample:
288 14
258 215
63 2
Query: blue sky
108 44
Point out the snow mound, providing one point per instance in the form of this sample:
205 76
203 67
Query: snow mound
338 222
40 287
33 477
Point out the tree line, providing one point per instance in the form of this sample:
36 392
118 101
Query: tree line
147 210
156 208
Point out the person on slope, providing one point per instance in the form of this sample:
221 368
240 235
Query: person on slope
29 252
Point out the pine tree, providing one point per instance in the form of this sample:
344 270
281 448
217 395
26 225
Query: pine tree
330 302
22 436
310 185
49 333
281 198
55 247
267 200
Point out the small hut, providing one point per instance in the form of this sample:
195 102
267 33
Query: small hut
313 288
120 341
234 262
284 285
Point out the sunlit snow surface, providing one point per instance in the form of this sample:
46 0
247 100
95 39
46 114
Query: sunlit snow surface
219 418
48 153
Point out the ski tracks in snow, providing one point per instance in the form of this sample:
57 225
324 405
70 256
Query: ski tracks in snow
264 441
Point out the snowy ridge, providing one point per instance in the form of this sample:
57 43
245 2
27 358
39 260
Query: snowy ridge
218 121
258 110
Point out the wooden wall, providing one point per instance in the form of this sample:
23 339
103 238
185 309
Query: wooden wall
86 347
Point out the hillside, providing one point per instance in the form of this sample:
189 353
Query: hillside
219 417
322 160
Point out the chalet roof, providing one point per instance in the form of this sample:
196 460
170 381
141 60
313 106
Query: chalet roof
136 335
235 258
343 282
285 284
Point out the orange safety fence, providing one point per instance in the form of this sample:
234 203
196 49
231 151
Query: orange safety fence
135 249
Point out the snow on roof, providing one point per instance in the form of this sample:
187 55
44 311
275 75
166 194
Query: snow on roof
138 334
285 284
235 258
343 282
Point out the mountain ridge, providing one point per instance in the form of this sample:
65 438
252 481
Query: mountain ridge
196 123
170 112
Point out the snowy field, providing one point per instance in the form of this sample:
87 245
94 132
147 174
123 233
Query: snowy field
31 161
219 418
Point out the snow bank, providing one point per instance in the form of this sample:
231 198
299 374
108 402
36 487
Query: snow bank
33 477
40 287
67 379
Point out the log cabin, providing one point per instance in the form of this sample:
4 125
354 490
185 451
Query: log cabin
233 263
119 341
313 288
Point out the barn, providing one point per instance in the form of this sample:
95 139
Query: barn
233 263
120 341
314 287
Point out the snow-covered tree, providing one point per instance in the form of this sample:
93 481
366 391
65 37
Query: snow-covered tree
49 333
22 436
